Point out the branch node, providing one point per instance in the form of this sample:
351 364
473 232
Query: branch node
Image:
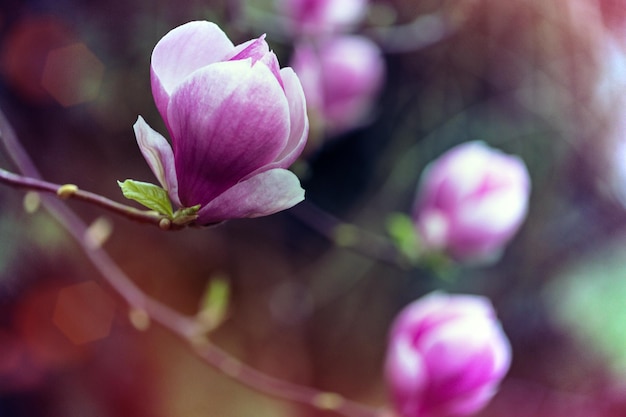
165 223
66 191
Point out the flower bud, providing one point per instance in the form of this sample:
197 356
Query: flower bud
471 201
341 77
446 356
320 17
236 122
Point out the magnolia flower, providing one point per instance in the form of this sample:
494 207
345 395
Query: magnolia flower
236 122
318 17
341 77
446 356
471 201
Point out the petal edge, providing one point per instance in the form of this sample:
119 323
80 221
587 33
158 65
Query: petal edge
182 51
261 195
158 154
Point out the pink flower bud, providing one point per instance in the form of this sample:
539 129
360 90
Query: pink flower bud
236 121
471 202
341 77
446 356
317 17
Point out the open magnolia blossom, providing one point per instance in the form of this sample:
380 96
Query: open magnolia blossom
236 120
446 357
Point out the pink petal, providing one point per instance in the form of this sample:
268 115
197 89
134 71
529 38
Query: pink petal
159 156
298 119
499 214
255 49
227 120
452 355
270 60
407 376
471 402
264 194
182 51
258 50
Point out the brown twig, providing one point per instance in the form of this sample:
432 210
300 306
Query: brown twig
68 191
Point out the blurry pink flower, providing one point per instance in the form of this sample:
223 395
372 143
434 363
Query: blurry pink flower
317 17
471 202
446 356
236 122
341 77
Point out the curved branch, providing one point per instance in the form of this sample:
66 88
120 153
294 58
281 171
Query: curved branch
145 308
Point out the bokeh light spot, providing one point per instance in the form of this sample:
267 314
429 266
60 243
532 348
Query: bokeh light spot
32 201
98 232
72 75
84 312
25 50
139 319
46 345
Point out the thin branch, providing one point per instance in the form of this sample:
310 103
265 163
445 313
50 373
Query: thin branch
341 233
67 191
282 389
424 31
186 327
350 236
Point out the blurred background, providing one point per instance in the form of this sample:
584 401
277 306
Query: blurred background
543 80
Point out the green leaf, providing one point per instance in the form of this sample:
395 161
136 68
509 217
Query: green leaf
403 234
149 195
406 238
214 303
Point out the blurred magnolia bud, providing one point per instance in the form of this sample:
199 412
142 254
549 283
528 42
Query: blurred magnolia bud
446 356
471 201
319 17
341 77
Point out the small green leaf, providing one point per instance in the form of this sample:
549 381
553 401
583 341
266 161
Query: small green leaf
403 234
149 195
407 240
214 303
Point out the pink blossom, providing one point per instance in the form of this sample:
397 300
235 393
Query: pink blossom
341 77
236 121
318 17
471 202
446 356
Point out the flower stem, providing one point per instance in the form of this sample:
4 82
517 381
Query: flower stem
350 236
